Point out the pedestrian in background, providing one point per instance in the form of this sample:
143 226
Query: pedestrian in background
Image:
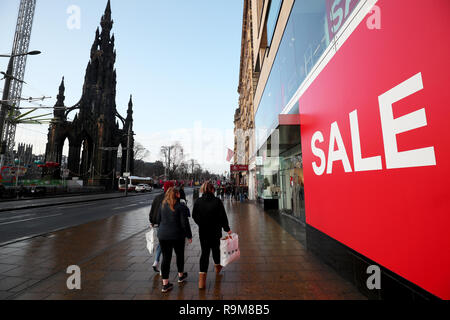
156 204
174 228
182 193
210 216
241 194
229 192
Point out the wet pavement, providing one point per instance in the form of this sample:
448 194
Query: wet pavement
115 264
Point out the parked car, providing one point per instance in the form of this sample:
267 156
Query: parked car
148 188
38 191
140 188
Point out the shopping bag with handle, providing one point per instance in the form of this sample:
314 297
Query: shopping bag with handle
152 240
229 249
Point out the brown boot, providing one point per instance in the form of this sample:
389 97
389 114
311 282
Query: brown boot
202 280
218 268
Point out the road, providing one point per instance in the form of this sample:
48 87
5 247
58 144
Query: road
20 224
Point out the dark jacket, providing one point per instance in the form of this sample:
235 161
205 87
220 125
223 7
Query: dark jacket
173 225
156 204
182 194
210 216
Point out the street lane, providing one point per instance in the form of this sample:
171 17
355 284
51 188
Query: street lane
18 221
15 225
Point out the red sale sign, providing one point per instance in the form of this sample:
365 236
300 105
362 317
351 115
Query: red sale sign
376 144
238 168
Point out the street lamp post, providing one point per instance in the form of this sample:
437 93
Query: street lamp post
128 159
4 105
31 53
17 162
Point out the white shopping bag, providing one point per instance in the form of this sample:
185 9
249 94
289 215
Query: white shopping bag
152 240
229 249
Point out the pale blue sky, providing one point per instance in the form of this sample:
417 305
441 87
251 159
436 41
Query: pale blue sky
179 59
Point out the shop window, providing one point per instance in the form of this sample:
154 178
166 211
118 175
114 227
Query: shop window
311 26
272 18
279 171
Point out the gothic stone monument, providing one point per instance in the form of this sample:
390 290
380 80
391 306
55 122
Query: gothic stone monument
95 131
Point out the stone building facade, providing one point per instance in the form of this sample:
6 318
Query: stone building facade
244 114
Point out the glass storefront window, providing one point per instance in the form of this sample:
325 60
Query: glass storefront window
268 173
272 17
292 192
308 32
311 26
280 171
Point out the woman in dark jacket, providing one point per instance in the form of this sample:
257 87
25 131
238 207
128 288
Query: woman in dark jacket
210 216
156 204
174 228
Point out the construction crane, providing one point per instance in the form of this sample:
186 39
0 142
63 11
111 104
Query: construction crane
19 59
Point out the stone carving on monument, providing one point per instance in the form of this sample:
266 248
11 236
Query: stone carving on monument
94 134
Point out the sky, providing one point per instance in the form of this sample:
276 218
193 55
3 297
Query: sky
179 59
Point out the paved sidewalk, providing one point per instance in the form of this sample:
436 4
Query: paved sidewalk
116 265
54 201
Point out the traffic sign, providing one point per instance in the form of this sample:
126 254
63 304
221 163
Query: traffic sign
65 173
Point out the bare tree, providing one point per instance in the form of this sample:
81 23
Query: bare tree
149 169
165 154
182 172
193 166
198 171
172 157
140 152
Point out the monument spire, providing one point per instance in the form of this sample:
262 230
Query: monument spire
58 111
62 89
130 105
129 118
106 21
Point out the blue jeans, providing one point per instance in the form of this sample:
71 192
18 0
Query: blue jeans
158 250
158 253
